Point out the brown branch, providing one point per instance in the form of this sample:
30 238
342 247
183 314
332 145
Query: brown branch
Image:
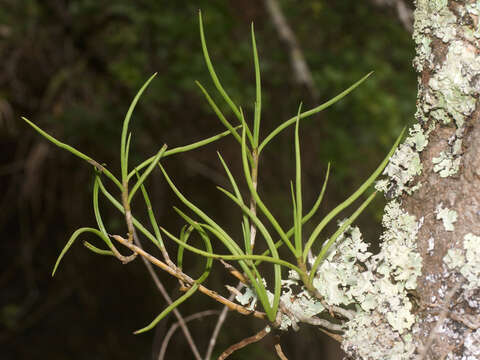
176 325
234 272
324 325
247 341
184 277
218 326
278 349
168 299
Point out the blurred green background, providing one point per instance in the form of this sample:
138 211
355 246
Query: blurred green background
73 66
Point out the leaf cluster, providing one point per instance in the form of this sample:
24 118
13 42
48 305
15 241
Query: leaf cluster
257 218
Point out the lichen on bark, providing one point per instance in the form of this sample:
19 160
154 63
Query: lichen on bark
434 179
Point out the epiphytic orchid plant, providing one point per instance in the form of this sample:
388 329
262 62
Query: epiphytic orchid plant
302 262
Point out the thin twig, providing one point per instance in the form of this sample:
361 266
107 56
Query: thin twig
176 325
184 277
234 272
278 349
312 320
247 341
347 314
219 324
168 299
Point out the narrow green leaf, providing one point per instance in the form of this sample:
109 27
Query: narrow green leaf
334 237
151 215
296 223
212 73
72 239
298 187
97 250
120 208
182 149
229 257
259 201
219 113
147 172
258 92
74 152
256 283
307 217
245 225
206 241
351 199
184 235
169 308
123 142
271 245
96 210
127 149
247 130
311 112
228 241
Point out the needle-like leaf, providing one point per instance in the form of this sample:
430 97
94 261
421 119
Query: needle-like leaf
182 149
258 92
311 112
339 231
350 199
123 140
147 172
212 73
298 188
72 239
75 152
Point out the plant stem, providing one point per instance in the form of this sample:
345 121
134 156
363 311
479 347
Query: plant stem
187 279
253 203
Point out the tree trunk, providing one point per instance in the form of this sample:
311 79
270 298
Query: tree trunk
447 202
432 221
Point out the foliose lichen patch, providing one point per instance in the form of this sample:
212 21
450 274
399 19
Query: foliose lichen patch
466 261
448 217
453 87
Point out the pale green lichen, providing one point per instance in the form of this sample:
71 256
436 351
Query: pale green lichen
377 285
454 258
369 337
446 164
298 304
405 164
453 88
417 138
466 261
403 167
431 17
451 85
471 269
438 5
249 297
402 260
448 217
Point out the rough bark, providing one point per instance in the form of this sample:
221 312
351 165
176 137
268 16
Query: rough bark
426 278
448 62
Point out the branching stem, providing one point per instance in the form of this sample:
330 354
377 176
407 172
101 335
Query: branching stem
187 279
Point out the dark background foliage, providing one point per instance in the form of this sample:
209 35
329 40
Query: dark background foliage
73 66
